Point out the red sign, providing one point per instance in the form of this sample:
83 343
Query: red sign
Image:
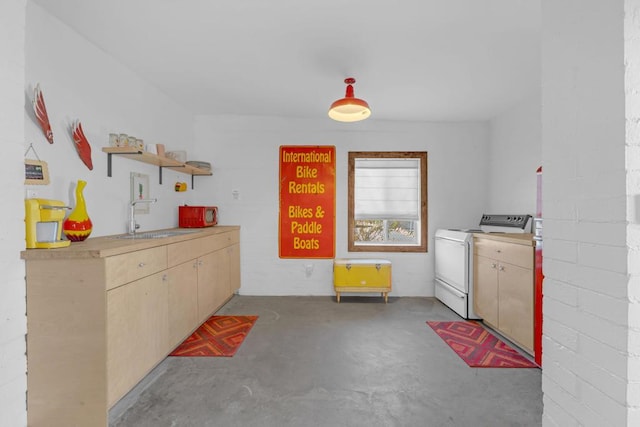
307 201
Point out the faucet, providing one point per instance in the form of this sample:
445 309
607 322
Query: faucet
133 225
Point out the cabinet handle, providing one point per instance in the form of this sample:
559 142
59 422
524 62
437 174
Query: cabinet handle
164 277
199 262
141 265
498 250
501 268
493 265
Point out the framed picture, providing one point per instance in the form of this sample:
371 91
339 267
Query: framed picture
140 190
36 172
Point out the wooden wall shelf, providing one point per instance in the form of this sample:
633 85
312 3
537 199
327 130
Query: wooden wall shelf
153 159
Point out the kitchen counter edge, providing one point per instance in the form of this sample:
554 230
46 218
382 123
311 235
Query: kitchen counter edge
518 238
105 246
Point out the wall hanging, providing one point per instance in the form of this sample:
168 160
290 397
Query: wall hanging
41 113
140 191
82 144
36 172
307 201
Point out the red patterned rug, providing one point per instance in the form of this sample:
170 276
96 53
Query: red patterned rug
478 347
218 336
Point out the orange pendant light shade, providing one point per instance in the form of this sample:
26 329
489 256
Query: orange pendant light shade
349 108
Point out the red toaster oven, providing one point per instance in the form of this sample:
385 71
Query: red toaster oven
197 216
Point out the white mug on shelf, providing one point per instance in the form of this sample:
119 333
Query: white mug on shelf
123 140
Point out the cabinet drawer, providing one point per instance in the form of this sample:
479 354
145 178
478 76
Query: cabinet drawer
181 252
511 253
125 268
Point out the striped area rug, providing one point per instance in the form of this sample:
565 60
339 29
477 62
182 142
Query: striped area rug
217 336
478 347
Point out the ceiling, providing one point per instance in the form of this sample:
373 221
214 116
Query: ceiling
418 60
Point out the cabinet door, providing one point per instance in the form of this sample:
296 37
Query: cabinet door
207 278
137 332
183 301
223 270
485 303
516 304
234 267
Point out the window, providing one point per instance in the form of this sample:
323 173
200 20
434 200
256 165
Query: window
387 202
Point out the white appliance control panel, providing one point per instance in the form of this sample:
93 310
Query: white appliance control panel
491 223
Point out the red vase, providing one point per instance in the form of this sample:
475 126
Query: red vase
77 227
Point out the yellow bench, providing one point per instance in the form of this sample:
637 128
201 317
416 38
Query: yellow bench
362 275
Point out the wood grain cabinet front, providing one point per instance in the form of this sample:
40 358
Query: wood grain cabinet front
137 332
103 313
208 287
515 304
216 261
131 266
233 253
183 300
485 301
218 279
503 286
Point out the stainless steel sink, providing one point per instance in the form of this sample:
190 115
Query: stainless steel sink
155 234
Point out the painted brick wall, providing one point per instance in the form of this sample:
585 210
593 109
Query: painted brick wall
459 200
12 287
586 376
632 104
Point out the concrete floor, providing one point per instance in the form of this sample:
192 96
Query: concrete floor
309 361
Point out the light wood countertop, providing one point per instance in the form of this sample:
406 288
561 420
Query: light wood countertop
105 246
518 238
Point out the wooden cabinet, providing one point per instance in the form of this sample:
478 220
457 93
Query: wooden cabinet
233 256
102 313
485 302
137 332
226 279
208 287
126 268
216 261
503 285
183 300
515 304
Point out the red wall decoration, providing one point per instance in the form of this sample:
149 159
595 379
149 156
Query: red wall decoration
307 201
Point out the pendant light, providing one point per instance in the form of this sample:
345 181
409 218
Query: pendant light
349 108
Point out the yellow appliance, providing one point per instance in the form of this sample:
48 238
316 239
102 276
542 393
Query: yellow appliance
43 220
362 275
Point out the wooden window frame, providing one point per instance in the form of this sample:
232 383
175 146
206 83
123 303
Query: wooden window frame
422 155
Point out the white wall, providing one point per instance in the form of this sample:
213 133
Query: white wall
632 104
13 325
589 376
244 153
515 157
80 82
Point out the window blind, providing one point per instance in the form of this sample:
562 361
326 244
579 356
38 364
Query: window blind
387 189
